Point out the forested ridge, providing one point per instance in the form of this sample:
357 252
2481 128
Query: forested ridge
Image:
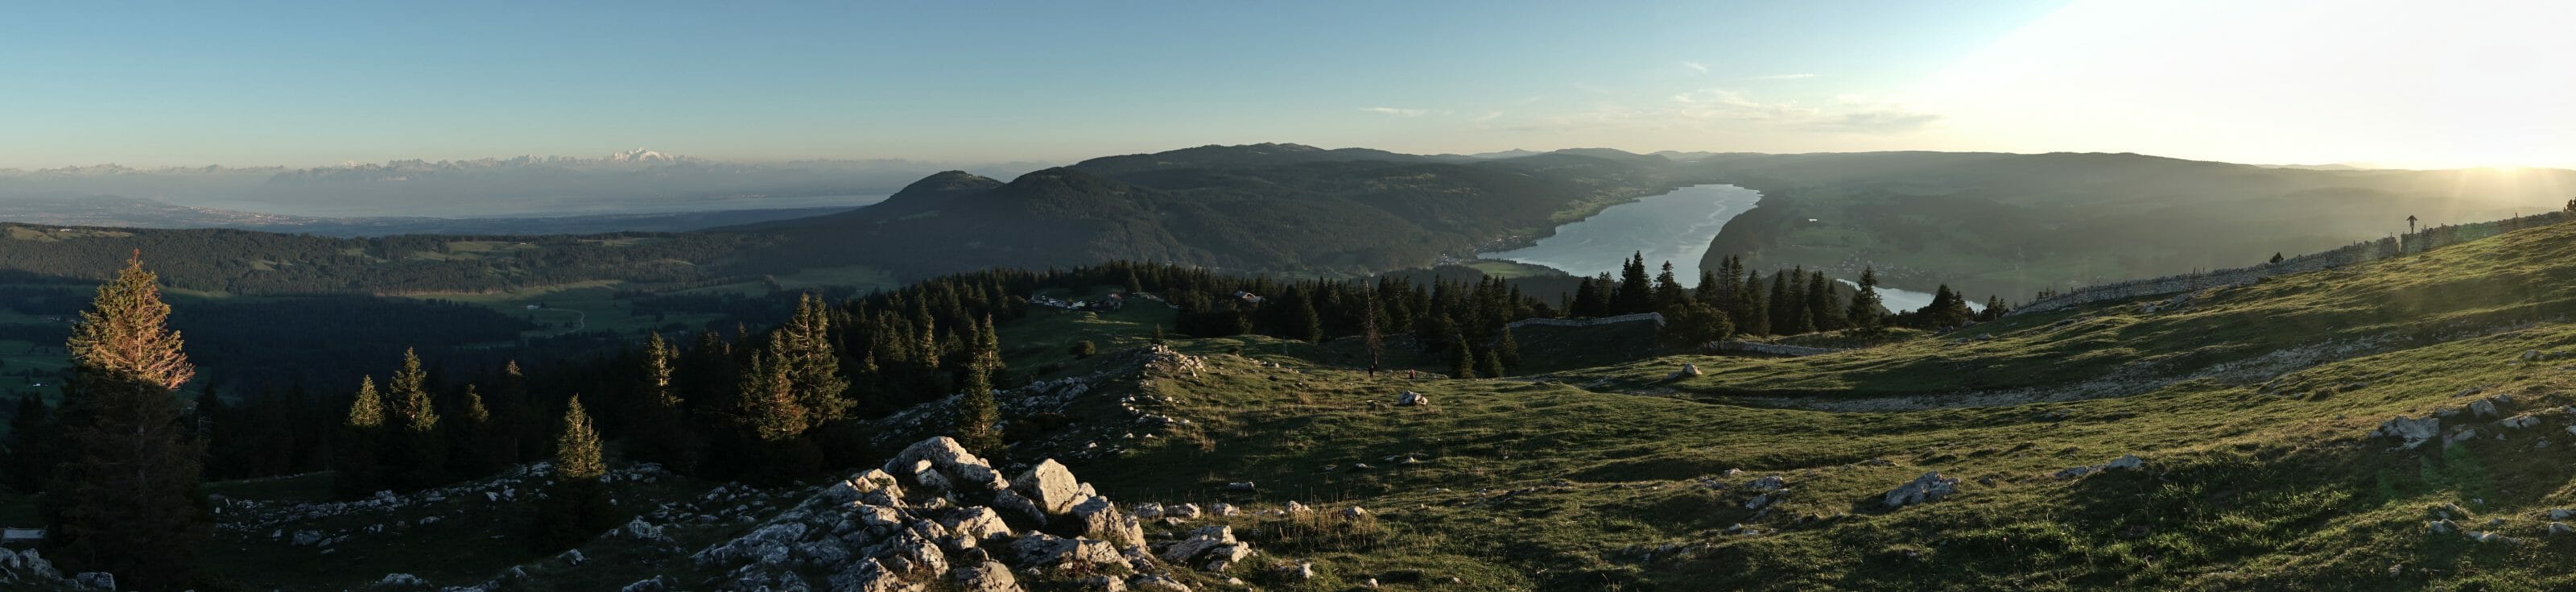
1292 209
1251 209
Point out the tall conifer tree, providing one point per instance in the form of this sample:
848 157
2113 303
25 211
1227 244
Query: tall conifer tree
356 469
1462 358
1823 310
576 505
812 365
1636 292
1752 313
1865 308
415 456
767 409
1668 289
977 412
665 437
126 499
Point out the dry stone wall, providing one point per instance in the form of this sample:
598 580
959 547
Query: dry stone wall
1658 318
1768 349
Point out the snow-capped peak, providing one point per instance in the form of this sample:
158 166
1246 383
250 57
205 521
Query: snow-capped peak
642 155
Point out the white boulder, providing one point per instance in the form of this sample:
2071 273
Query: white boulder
1931 486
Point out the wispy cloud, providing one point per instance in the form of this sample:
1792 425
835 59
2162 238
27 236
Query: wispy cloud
1779 77
1696 68
1726 109
1398 112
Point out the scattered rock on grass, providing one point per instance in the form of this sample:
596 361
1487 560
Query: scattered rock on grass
2413 431
1931 486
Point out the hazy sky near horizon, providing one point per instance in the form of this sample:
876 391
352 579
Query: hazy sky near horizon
2413 84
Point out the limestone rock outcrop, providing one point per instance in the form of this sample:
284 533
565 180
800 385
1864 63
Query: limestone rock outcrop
937 517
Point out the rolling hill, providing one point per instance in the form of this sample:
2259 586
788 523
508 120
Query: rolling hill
1283 208
2015 224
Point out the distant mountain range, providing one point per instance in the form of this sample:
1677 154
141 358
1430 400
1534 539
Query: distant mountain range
1986 223
631 182
127 212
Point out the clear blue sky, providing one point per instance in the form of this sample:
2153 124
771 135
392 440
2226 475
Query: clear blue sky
315 83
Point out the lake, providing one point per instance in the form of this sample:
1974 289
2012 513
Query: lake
1902 300
1674 227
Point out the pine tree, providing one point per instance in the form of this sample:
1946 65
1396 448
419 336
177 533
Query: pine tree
1590 298
1710 291
1751 313
1822 310
977 412
469 439
576 504
1508 350
1863 313
1668 289
1308 325
768 445
126 499
522 431
665 434
1462 360
767 409
1788 304
1635 293
1722 294
123 336
355 467
577 447
659 361
1947 310
414 457
409 404
812 365
1488 364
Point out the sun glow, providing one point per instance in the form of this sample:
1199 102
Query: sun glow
2404 84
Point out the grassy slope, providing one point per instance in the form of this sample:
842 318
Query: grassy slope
1558 482
2511 280
2267 485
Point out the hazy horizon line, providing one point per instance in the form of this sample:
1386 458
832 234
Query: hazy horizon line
778 160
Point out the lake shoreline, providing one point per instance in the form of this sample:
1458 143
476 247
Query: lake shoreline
1650 225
